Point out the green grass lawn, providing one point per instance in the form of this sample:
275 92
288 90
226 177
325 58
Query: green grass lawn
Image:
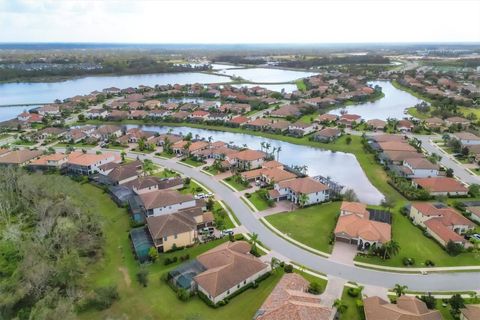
157 301
191 188
413 244
309 118
257 200
74 145
231 181
352 312
311 226
212 170
166 173
193 162
228 224
165 154
24 143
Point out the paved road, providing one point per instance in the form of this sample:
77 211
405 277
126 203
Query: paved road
459 170
432 282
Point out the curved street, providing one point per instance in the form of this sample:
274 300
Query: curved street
453 281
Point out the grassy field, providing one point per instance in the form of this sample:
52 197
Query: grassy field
311 226
238 186
257 200
413 244
301 85
352 312
157 301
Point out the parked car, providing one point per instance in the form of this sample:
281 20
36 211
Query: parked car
476 236
227 232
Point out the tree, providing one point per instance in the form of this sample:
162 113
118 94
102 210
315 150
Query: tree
350 195
123 154
210 204
474 189
453 248
142 276
153 254
429 301
391 248
400 290
388 203
449 173
314 288
254 241
303 200
340 305
456 302
148 167
348 140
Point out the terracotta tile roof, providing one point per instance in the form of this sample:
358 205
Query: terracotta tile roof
471 312
327 117
272 164
387 137
260 122
396 146
290 301
170 224
436 226
162 198
239 120
4 151
404 124
125 171
248 155
402 155
377 123
328 132
88 159
440 184
466 136
43 160
227 265
197 145
421 163
359 227
354 207
474 210
350 117
408 308
20 156
286 110
303 185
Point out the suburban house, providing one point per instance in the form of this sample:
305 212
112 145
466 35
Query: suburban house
89 163
96 114
301 129
267 175
289 110
474 212
327 135
441 186
147 184
125 173
470 312
304 191
442 223
290 300
161 202
326 117
458 121
410 308
467 138
349 119
419 168
433 123
246 159
49 110
178 229
50 132
50 161
19 157
356 225
404 125
376 124
106 131
228 268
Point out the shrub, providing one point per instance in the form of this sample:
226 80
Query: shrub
183 294
408 261
247 195
454 249
429 301
239 237
314 288
288 268
353 292
429 263
142 277
101 298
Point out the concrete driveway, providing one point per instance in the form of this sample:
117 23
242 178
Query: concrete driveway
343 253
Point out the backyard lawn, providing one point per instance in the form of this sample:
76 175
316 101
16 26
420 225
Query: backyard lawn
157 301
192 162
312 226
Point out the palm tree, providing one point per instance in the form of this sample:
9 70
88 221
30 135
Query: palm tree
340 305
254 240
303 200
278 153
267 146
210 138
262 145
400 290
390 248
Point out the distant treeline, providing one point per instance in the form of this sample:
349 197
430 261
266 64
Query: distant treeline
141 65
239 59
324 61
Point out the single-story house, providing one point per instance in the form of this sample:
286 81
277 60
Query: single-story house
19 157
327 135
420 168
377 124
470 312
467 138
407 307
441 186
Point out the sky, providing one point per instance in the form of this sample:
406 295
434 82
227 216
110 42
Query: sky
247 21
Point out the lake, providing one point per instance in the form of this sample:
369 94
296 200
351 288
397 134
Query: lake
341 167
392 105
266 75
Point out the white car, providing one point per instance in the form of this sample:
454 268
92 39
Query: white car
227 232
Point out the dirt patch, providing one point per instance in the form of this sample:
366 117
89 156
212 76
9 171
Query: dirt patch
126 276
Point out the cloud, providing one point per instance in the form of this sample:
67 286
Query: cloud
235 21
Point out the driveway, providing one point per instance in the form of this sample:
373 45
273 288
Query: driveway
281 206
343 253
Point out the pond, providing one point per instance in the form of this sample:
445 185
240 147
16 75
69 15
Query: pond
341 167
393 105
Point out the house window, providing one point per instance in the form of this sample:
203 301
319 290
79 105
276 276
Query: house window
165 238
175 236
244 281
238 286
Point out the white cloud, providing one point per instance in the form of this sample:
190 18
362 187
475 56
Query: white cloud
234 21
